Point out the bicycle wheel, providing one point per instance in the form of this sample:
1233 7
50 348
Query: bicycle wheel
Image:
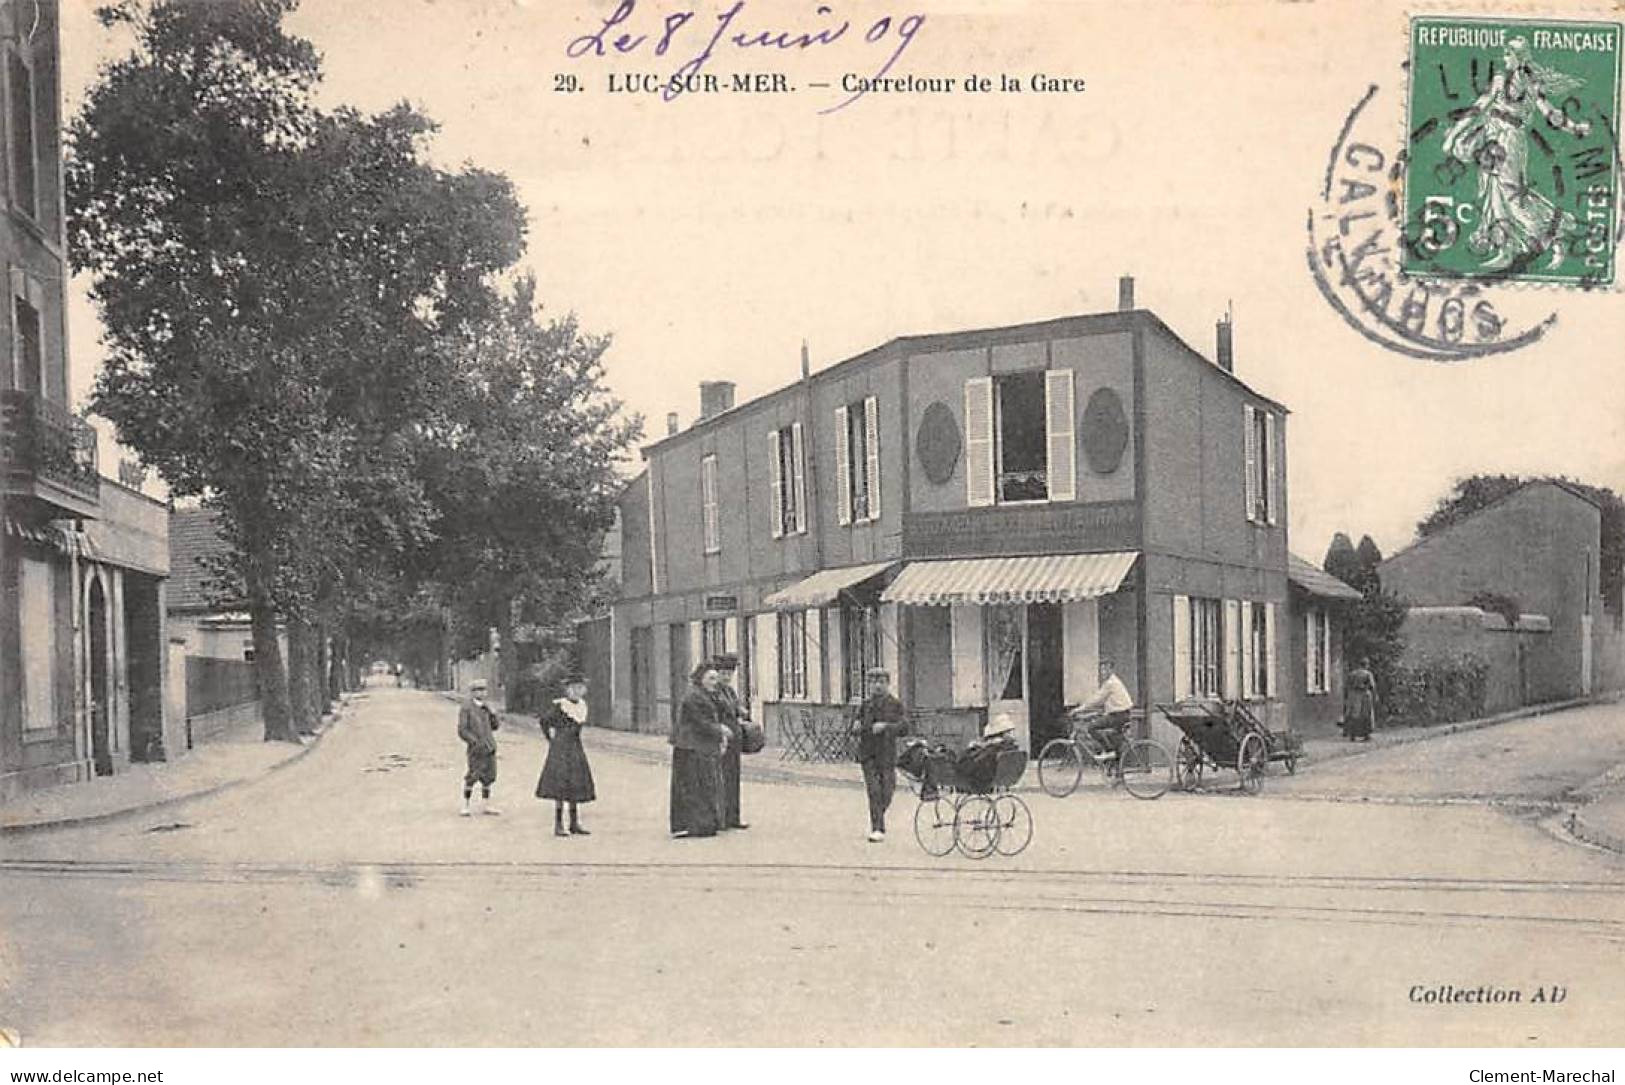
934 825
1250 762
1015 824
1188 767
1060 767
1147 769
976 827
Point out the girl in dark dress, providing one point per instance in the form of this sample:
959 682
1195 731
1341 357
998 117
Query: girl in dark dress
698 740
566 776
1360 706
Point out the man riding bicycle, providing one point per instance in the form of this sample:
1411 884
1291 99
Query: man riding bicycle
1113 704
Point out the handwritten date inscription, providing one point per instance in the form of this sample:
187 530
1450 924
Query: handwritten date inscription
631 30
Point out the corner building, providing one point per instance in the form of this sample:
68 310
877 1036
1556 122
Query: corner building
985 513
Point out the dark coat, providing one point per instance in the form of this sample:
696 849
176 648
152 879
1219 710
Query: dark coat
566 775
474 726
699 723
880 749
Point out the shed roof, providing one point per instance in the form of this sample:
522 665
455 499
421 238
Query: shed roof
193 535
1316 581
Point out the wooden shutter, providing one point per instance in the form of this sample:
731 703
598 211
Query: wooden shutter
1062 446
765 658
1270 689
1249 671
1250 461
979 441
889 645
835 653
1232 650
969 684
1326 650
843 468
1182 647
814 624
776 472
798 469
708 497
1272 485
1080 650
1311 647
730 635
871 431
696 644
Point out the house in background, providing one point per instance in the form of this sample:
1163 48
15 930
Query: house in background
1539 546
986 513
1317 603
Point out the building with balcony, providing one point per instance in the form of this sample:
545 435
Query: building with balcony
987 513
82 559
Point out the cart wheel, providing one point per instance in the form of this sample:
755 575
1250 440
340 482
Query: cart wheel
1250 762
1015 824
1060 767
976 827
1147 769
1188 766
934 825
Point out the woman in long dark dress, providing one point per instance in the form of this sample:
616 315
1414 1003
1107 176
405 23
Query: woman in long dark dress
698 740
1360 703
566 775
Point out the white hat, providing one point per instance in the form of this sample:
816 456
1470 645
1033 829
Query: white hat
999 724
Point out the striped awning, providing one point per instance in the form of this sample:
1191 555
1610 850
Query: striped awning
1049 578
824 586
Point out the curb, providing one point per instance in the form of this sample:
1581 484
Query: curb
75 821
1586 833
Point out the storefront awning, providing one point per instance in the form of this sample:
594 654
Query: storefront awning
824 586
1050 578
1316 581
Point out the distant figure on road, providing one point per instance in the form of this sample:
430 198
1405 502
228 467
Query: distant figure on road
698 742
730 712
1360 703
476 724
566 775
880 722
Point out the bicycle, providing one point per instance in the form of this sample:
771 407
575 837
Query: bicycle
1143 766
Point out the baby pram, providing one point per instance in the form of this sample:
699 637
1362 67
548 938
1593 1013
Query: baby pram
960 809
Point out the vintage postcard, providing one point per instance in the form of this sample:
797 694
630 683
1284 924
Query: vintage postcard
813 523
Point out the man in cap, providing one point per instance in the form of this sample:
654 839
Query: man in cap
880 722
475 726
730 710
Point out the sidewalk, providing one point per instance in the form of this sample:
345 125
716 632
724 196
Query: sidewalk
235 757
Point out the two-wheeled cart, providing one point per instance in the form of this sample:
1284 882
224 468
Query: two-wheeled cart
1226 736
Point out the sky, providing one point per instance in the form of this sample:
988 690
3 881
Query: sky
712 234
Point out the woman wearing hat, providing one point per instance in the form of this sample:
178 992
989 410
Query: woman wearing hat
698 740
730 713
566 775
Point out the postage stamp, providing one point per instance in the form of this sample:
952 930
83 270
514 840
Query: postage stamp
1512 167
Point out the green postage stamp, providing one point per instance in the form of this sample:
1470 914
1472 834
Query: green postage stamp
1512 168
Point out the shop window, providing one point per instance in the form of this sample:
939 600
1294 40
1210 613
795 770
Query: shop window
1318 649
1207 648
708 498
24 172
713 637
787 457
860 648
793 655
857 461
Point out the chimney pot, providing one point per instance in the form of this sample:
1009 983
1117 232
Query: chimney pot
715 397
1125 293
806 361
671 423
1225 351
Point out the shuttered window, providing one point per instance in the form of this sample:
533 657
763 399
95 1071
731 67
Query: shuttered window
775 459
979 441
843 467
708 497
1061 443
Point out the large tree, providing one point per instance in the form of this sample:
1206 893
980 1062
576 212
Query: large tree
273 281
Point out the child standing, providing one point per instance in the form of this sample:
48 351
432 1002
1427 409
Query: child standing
476 724
566 776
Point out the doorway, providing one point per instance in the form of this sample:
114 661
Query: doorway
1045 673
643 688
101 753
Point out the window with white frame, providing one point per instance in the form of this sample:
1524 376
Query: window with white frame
860 648
1318 650
1262 456
1207 648
713 637
787 459
1020 438
708 498
793 655
857 461
1257 650
24 168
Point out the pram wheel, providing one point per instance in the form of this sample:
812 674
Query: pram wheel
976 827
934 825
1015 824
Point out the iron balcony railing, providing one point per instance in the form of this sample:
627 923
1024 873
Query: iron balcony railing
42 438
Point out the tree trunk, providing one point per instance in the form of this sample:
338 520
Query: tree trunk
507 661
324 656
301 675
269 678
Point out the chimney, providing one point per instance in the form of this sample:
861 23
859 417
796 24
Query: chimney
715 397
806 361
1225 351
671 423
1125 293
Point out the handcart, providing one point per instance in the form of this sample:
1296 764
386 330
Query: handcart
976 817
1226 735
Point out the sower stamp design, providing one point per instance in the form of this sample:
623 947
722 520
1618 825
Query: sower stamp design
1512 168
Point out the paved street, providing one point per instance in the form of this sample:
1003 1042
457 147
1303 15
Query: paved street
340 900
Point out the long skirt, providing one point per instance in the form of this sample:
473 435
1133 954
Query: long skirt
1357 722
729 768
566 776
696 793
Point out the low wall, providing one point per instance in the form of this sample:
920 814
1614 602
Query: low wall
211 725
214 684
1513 655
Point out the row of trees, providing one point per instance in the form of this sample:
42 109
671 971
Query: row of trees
320 334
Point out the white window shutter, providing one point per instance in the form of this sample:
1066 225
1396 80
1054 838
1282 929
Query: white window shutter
815 654
1311 647
1062 444
843 468
889 656
968 668
1250 465
835 654
1249 671
1272 447
765 656
871 432
1182 647
708 498
730 636
1269 651
776 472
1080 650
798 468
696 644
1326 649
979 441
1232 650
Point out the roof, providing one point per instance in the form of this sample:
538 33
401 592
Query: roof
193 535
1048 578
935 342
1316 581
1559 484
